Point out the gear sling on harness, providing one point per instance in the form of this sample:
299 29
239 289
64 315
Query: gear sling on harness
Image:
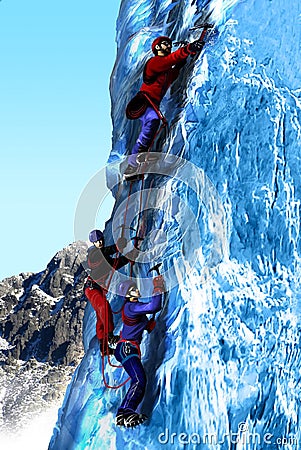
138 105
127 321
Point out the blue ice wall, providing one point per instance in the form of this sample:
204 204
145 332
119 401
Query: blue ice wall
223 363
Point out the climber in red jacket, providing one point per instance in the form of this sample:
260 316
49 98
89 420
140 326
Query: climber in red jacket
101 264
159 73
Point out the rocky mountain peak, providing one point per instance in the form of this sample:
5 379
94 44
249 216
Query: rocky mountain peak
41 314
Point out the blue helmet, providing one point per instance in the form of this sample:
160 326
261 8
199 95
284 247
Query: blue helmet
125 286
95 235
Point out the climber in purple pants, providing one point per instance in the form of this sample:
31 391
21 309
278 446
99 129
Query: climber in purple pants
159 73
127 351
150 124
129 356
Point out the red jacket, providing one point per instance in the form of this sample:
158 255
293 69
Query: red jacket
101 263
161 71
104 317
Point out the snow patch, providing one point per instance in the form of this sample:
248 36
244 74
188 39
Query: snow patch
36 436
4 345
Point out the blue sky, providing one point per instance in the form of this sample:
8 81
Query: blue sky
55 127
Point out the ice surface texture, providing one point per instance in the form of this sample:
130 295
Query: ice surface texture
223 363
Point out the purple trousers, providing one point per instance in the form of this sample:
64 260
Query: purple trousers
150 124
127 354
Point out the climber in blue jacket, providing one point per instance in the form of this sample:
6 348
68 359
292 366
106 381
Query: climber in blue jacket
128 352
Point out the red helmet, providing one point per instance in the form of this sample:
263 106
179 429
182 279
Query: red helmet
158 41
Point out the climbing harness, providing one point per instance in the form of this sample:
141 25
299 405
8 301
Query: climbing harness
127 349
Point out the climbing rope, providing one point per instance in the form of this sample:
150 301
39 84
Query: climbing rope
105 351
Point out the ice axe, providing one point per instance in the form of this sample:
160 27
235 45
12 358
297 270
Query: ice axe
156 268
204 24
205 27
124 227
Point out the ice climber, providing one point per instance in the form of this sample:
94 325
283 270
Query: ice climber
101 263
127 351
159 73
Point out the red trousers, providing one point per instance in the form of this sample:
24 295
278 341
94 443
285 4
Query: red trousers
104 317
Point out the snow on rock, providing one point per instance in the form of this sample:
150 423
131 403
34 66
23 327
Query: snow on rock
41 319
4 345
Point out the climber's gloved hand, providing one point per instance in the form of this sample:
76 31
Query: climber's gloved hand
151 325
121 243
112 339
196 47
104 347
159 285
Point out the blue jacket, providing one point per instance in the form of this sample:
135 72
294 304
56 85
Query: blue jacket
134 317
